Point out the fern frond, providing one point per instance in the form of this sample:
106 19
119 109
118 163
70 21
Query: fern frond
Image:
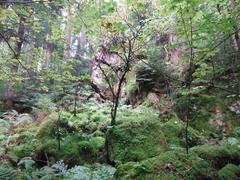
7 173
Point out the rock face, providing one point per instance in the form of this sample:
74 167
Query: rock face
147 81
217 156
135 141
150 80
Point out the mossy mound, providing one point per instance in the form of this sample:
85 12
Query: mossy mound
169 165
229 172
50 127
200 115
217 156
135 141
74 150
174 131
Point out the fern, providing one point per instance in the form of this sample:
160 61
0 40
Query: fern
60 167
4 126
26 163
10 115
43 174
104 172
7 173
78 173
101 172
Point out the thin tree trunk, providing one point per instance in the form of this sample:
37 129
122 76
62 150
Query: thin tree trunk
75 101
236 27
14 67
69 34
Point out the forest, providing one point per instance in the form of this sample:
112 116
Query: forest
119 89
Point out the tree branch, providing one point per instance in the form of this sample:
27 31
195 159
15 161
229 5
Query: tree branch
22 2
14 53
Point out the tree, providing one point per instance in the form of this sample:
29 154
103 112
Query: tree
202 41
118 53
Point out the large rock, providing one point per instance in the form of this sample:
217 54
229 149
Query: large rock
229 172
135 141
175 130
217 156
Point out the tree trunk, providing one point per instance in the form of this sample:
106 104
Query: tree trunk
14 67
69 34
236 27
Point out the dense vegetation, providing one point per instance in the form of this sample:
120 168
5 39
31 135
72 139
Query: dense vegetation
119 89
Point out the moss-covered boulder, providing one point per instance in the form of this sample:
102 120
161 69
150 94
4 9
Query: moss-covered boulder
51 125
135 141
169 165
229 172
202 110
217 156
77 151
174 131
74 150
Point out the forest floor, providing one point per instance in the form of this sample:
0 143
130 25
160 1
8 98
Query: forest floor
144 144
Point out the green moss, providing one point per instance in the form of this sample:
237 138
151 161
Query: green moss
174 131
48 129
229 172
90 121
236 132
217 156
76 150
47 151
170 165
131 85
202 108
135 140
98 142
